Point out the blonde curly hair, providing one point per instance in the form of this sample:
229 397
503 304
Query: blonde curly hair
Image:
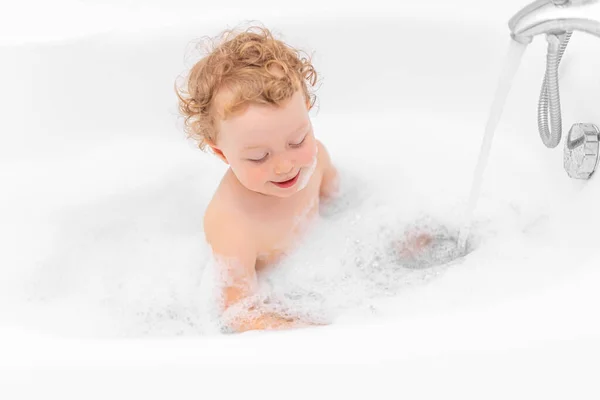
253 67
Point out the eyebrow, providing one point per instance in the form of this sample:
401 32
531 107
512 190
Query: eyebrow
304 126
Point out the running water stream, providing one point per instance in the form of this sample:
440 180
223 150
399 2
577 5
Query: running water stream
511 65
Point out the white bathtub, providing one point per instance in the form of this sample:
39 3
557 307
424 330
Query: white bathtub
100 190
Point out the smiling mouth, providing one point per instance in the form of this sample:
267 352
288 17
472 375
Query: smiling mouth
288 183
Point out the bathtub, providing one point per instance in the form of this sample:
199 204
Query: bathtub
102 204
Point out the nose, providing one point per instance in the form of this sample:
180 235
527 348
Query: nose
283 166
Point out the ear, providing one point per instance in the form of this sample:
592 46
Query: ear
218 152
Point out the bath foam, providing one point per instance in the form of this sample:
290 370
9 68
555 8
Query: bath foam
345 264
137 263
308 172
346 261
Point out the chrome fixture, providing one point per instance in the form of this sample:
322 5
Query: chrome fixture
581 150
555 17
558 19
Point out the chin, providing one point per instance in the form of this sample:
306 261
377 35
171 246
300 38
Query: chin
272 192
283 195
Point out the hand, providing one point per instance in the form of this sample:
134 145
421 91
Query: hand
254 320
269 322
414 244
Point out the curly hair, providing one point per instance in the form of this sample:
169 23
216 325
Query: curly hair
253 67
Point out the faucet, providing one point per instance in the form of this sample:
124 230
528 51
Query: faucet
558 19
555 17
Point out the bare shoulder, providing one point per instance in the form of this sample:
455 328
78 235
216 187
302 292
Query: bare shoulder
324 159
329 175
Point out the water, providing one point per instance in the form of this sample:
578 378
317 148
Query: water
123 257
511 65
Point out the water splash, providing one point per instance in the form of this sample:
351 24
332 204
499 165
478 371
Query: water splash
511 65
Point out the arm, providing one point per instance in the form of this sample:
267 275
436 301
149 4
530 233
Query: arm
414 244
330 180
236 254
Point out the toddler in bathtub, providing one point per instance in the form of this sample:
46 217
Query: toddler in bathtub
248 102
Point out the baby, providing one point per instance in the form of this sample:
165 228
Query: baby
248 102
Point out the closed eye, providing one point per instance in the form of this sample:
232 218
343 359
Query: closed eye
259 160
299 143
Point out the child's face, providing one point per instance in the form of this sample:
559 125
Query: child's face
271 150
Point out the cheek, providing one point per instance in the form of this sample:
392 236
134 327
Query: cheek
308 153
257 174
250 174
